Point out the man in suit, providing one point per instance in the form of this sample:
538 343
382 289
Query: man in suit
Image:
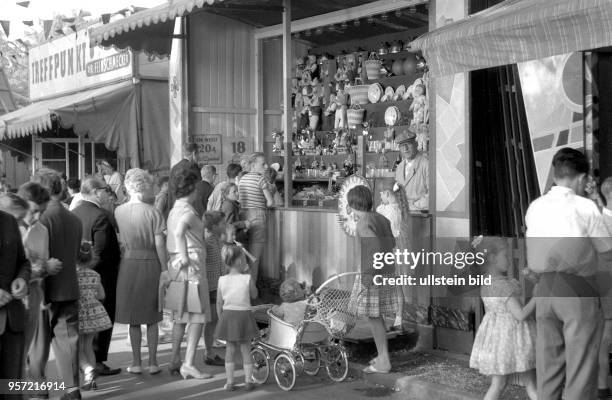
59 321
189 161
412 174
98 228
14 275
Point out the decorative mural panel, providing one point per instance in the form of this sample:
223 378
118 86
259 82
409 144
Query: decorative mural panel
451 128
450 142
553 96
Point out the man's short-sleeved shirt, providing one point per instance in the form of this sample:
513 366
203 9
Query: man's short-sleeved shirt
564 232
250 188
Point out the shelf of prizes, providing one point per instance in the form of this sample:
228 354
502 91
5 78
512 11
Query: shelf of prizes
349 103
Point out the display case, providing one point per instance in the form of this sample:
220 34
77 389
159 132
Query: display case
348 108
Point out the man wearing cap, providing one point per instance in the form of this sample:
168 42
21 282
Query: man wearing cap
412 174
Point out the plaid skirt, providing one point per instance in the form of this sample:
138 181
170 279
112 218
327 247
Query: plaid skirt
375 301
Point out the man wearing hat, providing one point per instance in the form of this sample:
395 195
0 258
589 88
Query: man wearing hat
412 174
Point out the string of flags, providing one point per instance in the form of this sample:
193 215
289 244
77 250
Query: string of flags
65 24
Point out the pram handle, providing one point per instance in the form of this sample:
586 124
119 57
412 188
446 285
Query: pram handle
333 278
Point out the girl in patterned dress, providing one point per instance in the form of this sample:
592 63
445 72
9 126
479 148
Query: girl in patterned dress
505 341
92 315
373 234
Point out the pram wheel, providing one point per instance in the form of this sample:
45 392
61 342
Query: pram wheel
312 361
336 362
261 365
284 371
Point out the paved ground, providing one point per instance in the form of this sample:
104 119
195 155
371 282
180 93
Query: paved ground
164 386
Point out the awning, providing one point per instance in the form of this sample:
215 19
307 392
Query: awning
149 30
107 115
516 31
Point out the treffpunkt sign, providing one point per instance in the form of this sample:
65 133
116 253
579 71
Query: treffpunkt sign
68 64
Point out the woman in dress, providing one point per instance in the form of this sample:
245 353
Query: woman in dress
141 234
186 262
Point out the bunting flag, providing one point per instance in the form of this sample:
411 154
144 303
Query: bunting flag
6 26
68 20
48 24
106 18
28 23
25 4
73 27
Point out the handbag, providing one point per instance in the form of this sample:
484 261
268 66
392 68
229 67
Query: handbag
194 305
176 296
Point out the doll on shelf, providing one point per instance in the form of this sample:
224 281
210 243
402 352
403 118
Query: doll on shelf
422 138
340 120
314 112
419 107
312 66
278 141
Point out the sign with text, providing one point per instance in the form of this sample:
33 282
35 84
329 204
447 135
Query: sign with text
234 148
68 64
209 149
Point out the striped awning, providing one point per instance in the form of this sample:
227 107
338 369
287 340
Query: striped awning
37 117
515 31
148 30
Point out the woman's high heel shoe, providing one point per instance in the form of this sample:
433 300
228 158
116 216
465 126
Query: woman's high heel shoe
192 372
89 381
174 369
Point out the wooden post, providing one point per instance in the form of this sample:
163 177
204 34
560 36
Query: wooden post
287 120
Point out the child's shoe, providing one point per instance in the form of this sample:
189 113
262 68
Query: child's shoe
229 387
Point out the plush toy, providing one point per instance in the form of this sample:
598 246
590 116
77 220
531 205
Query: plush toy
340 121
419 108
312 66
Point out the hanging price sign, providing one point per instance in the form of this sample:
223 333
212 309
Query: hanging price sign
210 150
234 148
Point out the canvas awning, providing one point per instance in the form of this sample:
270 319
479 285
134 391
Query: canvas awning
148 30
515 31
107 115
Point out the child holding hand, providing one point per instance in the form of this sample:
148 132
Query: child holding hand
505 341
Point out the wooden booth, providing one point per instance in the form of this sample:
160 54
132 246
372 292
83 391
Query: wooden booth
236 78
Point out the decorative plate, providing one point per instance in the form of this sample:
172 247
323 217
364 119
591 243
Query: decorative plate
346 220
399 92
375 92
392 115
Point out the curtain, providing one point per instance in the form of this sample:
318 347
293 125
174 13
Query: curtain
503 168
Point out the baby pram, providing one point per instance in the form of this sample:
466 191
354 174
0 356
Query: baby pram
315 342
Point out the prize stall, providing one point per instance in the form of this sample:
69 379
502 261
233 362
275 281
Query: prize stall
322 88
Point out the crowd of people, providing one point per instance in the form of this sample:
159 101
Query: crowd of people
79 257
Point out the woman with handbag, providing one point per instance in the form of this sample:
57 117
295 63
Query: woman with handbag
187 294
141 233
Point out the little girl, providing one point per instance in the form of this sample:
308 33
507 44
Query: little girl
505 341
92 315
394 207
236 324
